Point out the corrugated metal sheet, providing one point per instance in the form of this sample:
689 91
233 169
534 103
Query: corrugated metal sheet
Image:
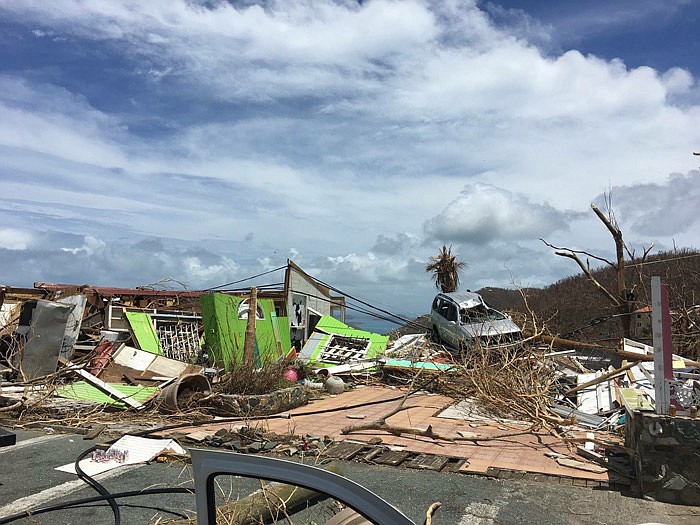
86 392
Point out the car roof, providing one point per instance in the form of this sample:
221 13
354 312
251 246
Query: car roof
467 299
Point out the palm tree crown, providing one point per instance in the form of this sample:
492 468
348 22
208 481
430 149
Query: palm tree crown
445 267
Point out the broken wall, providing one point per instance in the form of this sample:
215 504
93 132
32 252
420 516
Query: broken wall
224 331
666 456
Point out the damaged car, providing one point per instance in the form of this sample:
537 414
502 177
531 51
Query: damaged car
464 320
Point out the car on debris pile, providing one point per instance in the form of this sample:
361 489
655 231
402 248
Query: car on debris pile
464 320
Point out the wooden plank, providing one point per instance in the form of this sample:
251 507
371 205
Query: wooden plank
454 465
600 379
392 458
95 431
345 450
97 382
373 454
428 462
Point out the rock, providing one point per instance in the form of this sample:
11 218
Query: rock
334 385
676 482
256 447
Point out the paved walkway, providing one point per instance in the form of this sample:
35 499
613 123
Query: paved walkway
327 416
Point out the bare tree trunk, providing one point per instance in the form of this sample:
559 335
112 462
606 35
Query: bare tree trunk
621 299
624 305
249 344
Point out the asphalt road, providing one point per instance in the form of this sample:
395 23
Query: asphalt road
29 480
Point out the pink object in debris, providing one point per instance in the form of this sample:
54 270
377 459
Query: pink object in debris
291 374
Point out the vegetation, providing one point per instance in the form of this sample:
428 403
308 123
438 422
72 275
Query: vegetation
246 379
445 268
620 296
576 310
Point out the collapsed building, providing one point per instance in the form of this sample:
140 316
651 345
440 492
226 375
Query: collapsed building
126 348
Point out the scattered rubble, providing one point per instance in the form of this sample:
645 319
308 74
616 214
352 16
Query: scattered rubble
149 356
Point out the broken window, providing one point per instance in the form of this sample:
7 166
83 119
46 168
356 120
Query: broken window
243 311
340 349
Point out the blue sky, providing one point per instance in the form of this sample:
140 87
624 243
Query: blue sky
208 141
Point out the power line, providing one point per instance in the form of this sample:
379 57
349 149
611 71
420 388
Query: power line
246 279
665 260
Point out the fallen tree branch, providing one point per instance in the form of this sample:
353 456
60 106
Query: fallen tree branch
429 513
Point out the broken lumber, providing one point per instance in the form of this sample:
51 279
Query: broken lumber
589 467
568 343
601 378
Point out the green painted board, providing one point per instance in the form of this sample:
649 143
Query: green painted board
225 332
283 327
144 332
330 325
84 391
634 400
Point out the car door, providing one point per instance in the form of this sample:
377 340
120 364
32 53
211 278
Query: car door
452 329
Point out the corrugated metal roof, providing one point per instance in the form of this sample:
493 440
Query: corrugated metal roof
84 391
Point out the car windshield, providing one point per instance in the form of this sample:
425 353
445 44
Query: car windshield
479 314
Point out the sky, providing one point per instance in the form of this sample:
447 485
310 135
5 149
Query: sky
195 143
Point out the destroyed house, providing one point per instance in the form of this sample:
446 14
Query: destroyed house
163 322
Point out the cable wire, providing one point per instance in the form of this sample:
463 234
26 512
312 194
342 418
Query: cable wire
247 278
78 502
97 485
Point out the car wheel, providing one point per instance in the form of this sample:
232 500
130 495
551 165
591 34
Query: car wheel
435 335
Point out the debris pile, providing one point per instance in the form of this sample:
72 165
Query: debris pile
251 355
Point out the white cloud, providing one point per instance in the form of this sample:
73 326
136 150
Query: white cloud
14 239
659 210
483 213
91 246
318 130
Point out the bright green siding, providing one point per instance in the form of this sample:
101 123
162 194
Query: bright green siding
224 333
330 325
86 392
144 332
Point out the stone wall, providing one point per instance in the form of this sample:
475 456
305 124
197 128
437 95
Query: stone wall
260 405
667 456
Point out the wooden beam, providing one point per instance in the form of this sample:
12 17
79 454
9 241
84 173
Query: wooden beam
600 379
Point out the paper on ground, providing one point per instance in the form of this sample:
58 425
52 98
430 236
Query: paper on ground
140 450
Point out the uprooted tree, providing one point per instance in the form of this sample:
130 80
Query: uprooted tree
445 267
622 299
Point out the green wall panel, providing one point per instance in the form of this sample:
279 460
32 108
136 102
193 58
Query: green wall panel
144 332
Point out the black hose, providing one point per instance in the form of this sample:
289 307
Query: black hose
74 503
98 486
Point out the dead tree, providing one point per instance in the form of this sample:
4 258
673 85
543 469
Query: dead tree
621 299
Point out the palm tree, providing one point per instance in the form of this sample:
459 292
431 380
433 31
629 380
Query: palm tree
445 267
